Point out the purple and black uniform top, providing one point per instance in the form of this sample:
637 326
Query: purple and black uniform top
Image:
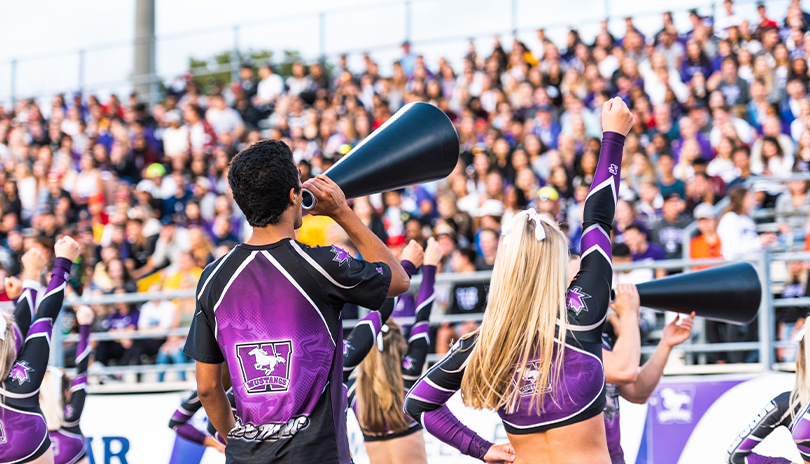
580 393
777 413
612 429
23 431
68 443
362 338
272 313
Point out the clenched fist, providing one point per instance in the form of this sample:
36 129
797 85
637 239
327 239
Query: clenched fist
66 247
616 117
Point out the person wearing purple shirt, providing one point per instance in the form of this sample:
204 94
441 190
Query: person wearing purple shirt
271 310
637 239
23 432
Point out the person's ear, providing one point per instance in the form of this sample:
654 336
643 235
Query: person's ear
293 195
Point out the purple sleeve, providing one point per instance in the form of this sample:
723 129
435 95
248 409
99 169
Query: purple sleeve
78 389
190 433
755 458
408 266
443 425
52 301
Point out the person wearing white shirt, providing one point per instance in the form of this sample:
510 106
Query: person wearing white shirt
737 231
175 137
729 19
299 81
224 119
270 87
657 87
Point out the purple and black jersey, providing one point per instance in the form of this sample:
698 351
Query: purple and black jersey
612 429
580 394
361 341
777 413
68 443
23 432
272 313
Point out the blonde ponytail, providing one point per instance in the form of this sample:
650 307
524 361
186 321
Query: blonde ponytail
50 398
380 390
526 306
800 396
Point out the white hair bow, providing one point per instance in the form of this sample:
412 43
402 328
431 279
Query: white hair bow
383 329
531 215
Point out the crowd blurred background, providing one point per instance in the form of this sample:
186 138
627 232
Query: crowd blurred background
721 115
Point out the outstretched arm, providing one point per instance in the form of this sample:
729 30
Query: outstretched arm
425 402
621 363
589 293
78 389
650 374
419 340
179 421
26 302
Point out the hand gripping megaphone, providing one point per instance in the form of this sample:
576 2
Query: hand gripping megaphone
417 144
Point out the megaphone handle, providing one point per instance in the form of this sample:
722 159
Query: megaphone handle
612 294
308 200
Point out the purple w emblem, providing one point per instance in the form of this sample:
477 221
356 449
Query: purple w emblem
341 255
265 365
20 372
575 300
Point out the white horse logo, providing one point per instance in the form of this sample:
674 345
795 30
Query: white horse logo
531 375
265 361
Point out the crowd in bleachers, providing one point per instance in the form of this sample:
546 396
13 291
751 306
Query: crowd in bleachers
145 189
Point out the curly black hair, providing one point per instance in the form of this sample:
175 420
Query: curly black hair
261 177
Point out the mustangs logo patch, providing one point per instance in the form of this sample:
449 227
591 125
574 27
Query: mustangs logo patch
575 300
529 378
265 365
341 255
20 372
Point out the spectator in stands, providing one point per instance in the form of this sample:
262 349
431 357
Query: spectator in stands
790 320
737 231
668 183
707 245
635 237
156 317
668 232
792 226
123 318
488 242
467 298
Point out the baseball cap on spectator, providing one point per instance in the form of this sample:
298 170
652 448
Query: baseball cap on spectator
396 241
704 211
673 196
548 194
492 208
155 170
444 229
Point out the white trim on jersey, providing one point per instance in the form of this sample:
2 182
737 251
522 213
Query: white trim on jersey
301 290
211 276
228 285
318 267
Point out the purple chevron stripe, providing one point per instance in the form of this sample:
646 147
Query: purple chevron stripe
419 329
595 236
41 326
426 392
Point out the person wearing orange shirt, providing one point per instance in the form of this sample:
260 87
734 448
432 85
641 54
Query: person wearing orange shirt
707 244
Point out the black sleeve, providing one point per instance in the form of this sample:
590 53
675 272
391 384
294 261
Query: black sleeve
201 344
345 279
78 389
362 338
775 414
32 361
419 340
589 293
